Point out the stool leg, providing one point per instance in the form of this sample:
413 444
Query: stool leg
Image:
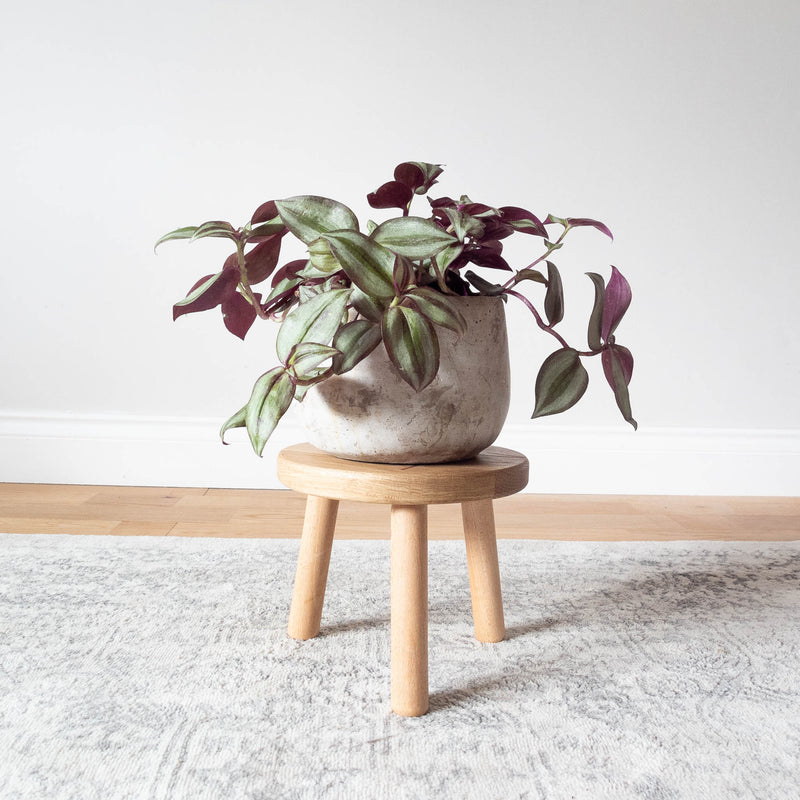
312 567
409 601
484 571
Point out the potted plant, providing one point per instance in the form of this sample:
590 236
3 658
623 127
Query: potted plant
396 297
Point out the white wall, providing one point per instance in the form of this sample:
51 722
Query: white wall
676 123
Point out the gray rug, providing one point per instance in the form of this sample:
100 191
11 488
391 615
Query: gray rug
159 668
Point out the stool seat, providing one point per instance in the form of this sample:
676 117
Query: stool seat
496 472
409 489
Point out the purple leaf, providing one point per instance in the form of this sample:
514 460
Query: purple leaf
485 287
582 222
443 202
237 314
617 300
456 283
493 228
625 359
618 368
289 270
264 213
554 296
459 262
523 220
262 259
391 195
479 210
488 257
441 218
493 245
409 174
594 331
207 293
421 180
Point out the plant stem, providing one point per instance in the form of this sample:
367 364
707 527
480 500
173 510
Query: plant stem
540 323
243 282
513 280
539 320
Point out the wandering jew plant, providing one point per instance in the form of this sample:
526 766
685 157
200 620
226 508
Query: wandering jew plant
395 284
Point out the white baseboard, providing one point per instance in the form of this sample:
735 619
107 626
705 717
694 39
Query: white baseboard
148 451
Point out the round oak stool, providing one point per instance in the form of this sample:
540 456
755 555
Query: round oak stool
409 489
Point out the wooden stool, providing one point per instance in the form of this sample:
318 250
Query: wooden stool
496 472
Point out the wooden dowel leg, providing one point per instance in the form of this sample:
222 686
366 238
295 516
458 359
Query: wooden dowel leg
312 567
409 602
484 570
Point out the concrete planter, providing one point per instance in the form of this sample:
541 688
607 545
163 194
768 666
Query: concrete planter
371 414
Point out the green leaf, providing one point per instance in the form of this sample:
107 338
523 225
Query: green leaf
463 224
305 357
178 233
282 287
267 229
311 272
430 173
272 395
412 345
308 216
413 237
323 261
236 421
554 297
354 341
315 320
367 306
438 308
215 229
526 225
447 256
561 382
369 265
554 220
301 390
531 275
403 274
596 319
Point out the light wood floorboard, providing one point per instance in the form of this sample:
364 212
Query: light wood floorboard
251 513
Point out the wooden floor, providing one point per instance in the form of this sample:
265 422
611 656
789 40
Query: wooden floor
44 508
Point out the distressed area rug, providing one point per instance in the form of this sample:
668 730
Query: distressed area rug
159 669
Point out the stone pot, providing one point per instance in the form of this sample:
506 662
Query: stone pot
371 414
